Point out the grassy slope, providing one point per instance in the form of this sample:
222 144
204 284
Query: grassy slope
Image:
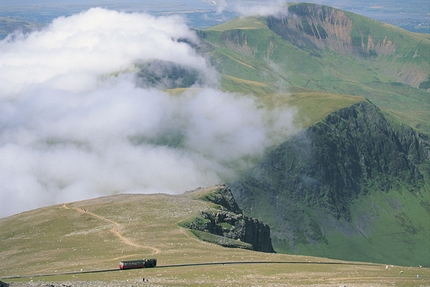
395 228
252 58
386 227
81 236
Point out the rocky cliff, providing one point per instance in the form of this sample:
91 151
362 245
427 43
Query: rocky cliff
229 223
307 188
327 27
315 28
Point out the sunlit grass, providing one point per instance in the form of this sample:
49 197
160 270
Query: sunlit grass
70 238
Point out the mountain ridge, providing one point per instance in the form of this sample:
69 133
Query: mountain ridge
385 64
352 155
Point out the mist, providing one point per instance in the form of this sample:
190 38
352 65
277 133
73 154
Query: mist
253 8
75 123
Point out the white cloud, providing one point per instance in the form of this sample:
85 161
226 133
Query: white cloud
74 124
221 5
269 8
71 53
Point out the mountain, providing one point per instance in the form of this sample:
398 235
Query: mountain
350 187
355 183
325 49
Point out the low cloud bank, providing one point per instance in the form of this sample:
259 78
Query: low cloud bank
74 123
254 8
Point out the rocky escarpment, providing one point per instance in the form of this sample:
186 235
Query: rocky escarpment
315 28
230 227
326 27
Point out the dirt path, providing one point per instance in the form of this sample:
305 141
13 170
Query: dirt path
116 229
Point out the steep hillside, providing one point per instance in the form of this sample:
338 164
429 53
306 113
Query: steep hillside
326 49
355 184
350 186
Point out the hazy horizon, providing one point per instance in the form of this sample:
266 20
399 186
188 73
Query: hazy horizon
412 15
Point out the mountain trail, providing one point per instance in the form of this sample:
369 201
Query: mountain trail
116 229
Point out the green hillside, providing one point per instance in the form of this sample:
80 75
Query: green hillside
358 186
349 54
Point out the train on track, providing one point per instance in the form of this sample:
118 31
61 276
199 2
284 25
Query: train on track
132 264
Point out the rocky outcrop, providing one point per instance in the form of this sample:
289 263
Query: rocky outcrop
237 227
238 42
229 222
225 198
319 26
326 27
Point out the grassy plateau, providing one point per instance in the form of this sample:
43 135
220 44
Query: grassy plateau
64 242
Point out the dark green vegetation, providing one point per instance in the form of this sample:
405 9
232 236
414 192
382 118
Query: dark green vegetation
348 187
355 184
165 75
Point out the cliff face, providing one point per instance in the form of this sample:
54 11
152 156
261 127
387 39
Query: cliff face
318 26
327 27
307 187
237 227
315 28
351 151
229 222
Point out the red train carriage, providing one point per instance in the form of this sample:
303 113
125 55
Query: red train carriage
144 263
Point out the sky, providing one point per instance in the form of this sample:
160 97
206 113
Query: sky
74 123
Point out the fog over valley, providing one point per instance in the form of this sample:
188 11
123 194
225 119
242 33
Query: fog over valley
76 122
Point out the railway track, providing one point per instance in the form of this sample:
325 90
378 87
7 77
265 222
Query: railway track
189 265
